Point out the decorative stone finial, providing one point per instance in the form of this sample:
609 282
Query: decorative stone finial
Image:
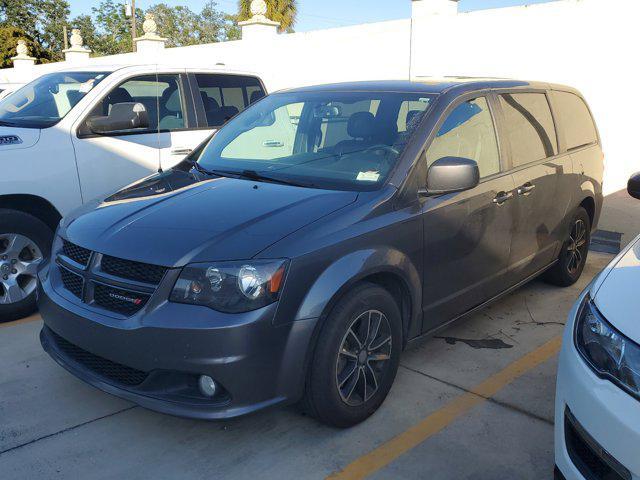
76 39
22 49
258 7
150 27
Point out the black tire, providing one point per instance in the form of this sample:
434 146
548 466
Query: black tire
324 399
567 270
16 222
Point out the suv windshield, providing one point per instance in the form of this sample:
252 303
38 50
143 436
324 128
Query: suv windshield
45 101
334 140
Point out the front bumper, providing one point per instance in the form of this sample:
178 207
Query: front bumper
605 418
154 359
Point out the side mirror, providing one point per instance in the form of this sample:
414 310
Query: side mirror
451 174
122 117
633 187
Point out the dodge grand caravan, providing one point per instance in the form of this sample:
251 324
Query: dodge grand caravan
316 235
74 135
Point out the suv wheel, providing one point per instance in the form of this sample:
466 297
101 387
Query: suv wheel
25 242
356 357
573 255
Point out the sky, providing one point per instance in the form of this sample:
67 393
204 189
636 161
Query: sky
318 14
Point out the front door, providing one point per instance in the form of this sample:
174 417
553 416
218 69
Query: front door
108 162
467 236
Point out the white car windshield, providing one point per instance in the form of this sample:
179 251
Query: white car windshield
45 101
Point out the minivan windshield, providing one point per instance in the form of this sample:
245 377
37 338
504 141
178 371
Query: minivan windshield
45 101
334 140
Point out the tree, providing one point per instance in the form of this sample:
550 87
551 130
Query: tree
282 11
9 37
41 20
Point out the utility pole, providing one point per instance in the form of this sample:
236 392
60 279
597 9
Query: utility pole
66 38
134 34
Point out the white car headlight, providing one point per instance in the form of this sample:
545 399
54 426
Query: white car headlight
609 353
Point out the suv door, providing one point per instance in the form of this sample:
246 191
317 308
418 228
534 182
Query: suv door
467 235
110 161
538 172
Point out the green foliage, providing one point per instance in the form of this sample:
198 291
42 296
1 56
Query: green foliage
9 37
107 30
282 11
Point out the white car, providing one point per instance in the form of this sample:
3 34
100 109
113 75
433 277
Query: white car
597 419
74 135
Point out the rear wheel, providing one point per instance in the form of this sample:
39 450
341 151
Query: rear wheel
573 255
25 242
356 357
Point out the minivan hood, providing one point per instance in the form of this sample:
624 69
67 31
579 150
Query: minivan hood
12 138
617 297
176 218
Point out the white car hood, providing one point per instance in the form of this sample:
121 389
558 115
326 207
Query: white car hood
617 292
12 138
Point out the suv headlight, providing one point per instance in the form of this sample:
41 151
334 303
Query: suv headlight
231 287
606 350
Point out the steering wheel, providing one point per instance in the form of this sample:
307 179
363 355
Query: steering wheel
390 153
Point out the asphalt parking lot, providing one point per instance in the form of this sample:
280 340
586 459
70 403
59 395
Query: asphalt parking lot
476 402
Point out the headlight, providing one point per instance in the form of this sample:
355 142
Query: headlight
606 350
231 287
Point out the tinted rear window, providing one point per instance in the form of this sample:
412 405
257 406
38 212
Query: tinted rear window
529 127
224 96
575 119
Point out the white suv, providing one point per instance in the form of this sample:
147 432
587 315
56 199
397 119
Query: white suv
75 135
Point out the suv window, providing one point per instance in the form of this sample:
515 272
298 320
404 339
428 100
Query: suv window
575 118
224 96
161 96
468 132
529 127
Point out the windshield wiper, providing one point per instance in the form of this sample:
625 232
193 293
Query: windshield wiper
254 175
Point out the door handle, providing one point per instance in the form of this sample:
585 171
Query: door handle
273 143
502 197
181 151
526 188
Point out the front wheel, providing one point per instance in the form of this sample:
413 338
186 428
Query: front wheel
356 358
25 242
573 255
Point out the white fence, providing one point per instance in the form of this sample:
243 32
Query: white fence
590 44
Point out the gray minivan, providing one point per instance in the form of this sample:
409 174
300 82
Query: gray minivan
295 254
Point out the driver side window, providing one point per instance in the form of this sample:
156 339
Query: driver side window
468 132
161 96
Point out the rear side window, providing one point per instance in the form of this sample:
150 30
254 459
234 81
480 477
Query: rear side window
529 127
224 96
468 132
575 119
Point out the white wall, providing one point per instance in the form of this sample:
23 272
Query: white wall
589 44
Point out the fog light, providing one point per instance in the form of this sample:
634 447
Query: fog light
207 386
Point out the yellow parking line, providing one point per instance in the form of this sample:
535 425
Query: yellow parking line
30 319
437 421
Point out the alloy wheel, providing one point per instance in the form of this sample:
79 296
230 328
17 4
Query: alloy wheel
19 261
363 357
577 247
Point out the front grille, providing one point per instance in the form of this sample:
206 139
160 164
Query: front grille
590 459
72 282
106 368
76 253
141 272
118 300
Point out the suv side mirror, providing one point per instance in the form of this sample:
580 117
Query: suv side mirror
633 187
451 174
122 117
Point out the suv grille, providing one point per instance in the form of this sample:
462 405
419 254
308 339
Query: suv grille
141 272
72 282
74 252
118 300
101 366
113 284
